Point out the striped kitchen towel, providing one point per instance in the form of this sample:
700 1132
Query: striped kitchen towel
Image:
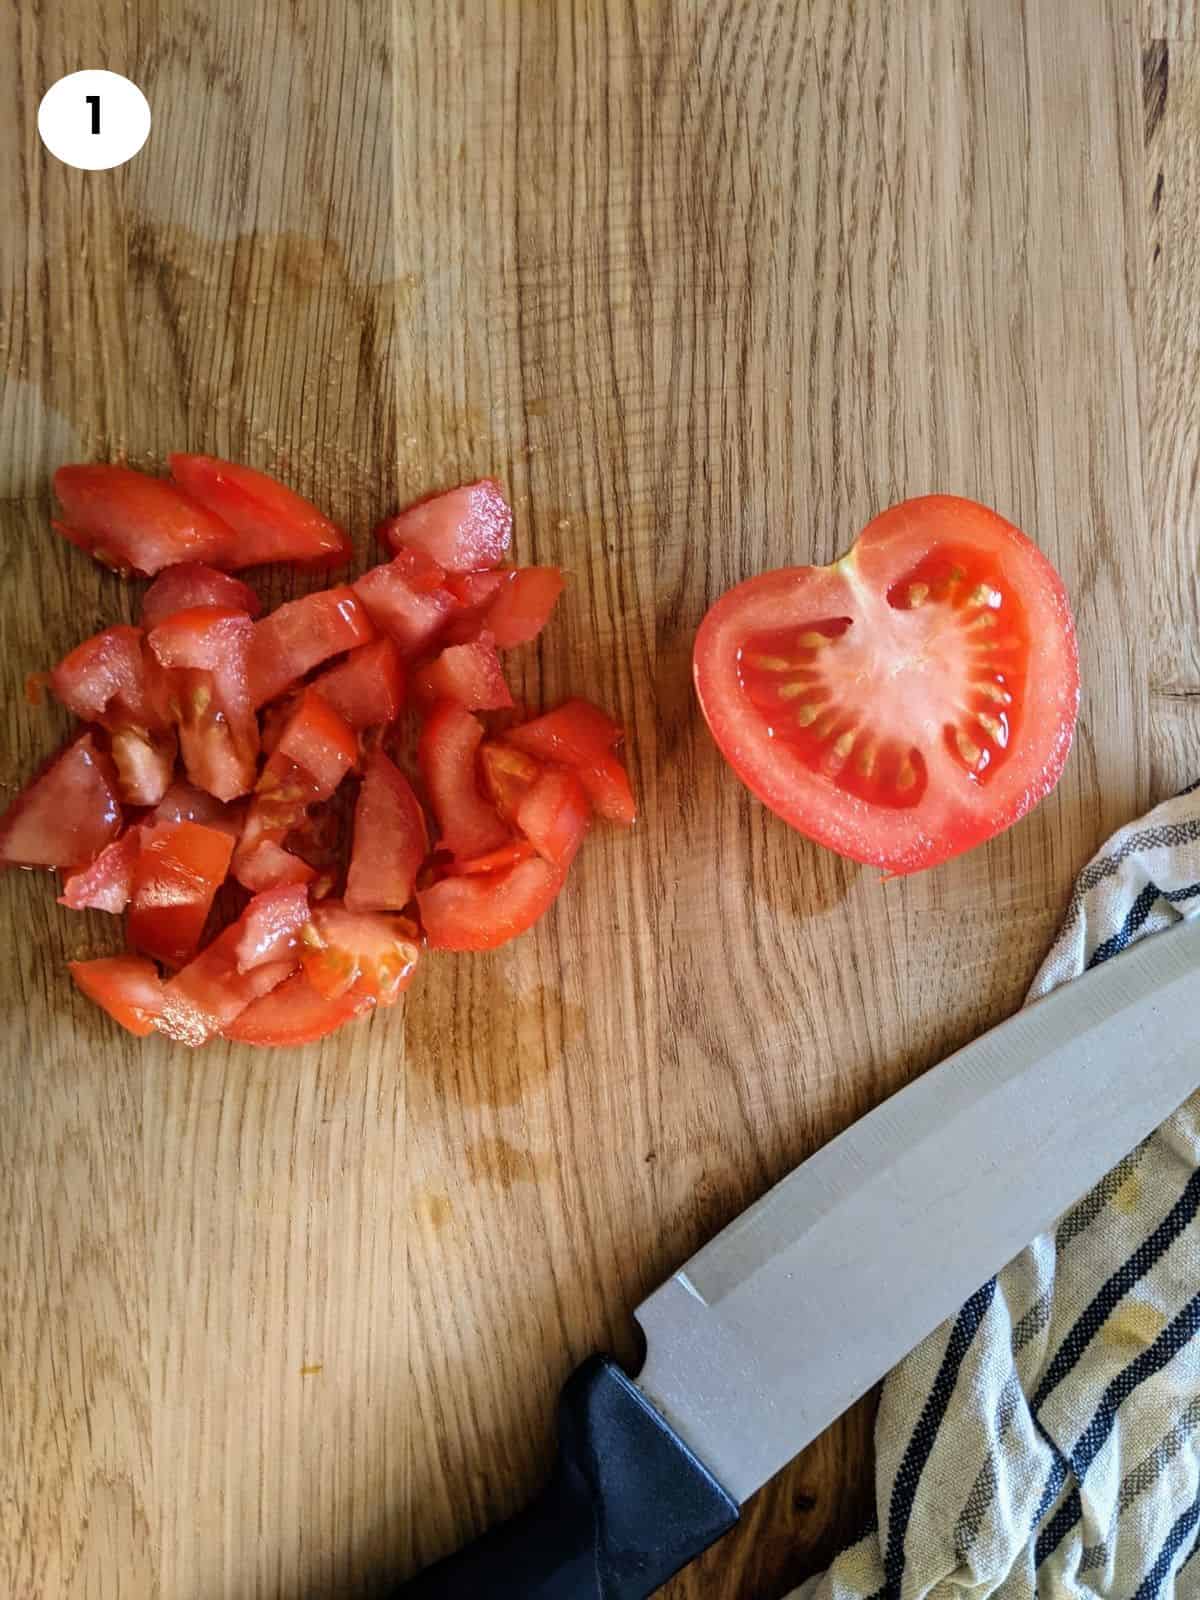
1046 1441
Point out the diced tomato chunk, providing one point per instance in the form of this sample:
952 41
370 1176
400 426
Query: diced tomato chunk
300 635
271 926
468 674
193 584
183 802
207 650
522 607
447 752
507 775
112 679
508 855
390 839
464 530
295 1013
127 987
66 815
581 736
210 992
367 689
475 591
320 742
135 523
270 522
409 614
370 953
106 883
479 913
179 868
554 816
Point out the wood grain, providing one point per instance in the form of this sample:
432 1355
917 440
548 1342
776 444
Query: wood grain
706 285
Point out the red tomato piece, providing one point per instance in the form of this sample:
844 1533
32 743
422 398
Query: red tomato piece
464 530
65 815
468 674
210 993
295 1013
554 815
269 521
179 868
112 679
367 689
390 839
271 926
207 650
522 607
581 736
106 883
300 635
368 953
447 751
183 802
135 523
508 855
909 701
193 584
507 776
479 913
411 615
127 987
474 591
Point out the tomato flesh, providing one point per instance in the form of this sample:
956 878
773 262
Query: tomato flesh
909 701
470 912
300 635
271 926
523 604
183 802
112 679
179 868
135 523
390 839
464 530
508 775
270 522
581 736
468 674
554 816
367 689
402 605
106 883
66 815
206 650
447 752
294 1013
210 993
193 584
127 987
372 954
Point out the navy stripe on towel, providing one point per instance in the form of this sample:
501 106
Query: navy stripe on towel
1153 1581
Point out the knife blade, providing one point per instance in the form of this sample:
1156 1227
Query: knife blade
803 1302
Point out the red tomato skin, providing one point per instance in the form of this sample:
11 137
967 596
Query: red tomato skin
179 868
192 584
135 523
581 736
367 689
294 1014
464 530
554 816
206 652
412 617
390 839
270 522
523 605
271 926
480 913
127 987
66 814
447 754
106 883
889 545
300 635
468 674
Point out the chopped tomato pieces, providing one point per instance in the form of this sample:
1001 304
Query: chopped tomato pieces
463 530
468 674
447 752
66 815
127 987
207 650
554 816
581 736
508 855
210 992
367 689
295 1013
135 523
193 584
179 868
300 635
106 883
271 926
269 521
507 775
390 839
183 802
401 607
479 913
523 604
368 953
113 680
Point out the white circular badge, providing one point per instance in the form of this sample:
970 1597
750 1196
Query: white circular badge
93 119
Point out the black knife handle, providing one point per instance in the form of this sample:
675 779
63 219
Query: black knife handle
626 1506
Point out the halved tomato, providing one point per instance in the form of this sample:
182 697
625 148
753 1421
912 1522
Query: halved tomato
469 674
367 689
473 912
127 987
66 814
294 1013
464 530
907 702
270 522
135 523
523 604
369 953
554 815
193 584
390 839
106 883
447 751
207 651
114 680
179 868
402 604
581 736
300 635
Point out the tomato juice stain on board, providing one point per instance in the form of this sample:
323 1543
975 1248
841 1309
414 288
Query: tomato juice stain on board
486 1047
496 1161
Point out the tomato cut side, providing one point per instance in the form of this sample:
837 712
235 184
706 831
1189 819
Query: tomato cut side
907 702
508 775
206 651
193 584
447 753
554 816
390 839
468 674
179 868
183 802
372 954
295 1013
480 912
402 607
508 855
65 815
113 679
271 927
135 523
127 987
581 736
464 530
300 635
210 993
106 883
523 605
367 689
270 522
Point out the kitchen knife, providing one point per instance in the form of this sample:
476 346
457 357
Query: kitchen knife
770 1331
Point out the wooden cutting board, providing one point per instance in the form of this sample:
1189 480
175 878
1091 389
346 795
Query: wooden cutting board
706 284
